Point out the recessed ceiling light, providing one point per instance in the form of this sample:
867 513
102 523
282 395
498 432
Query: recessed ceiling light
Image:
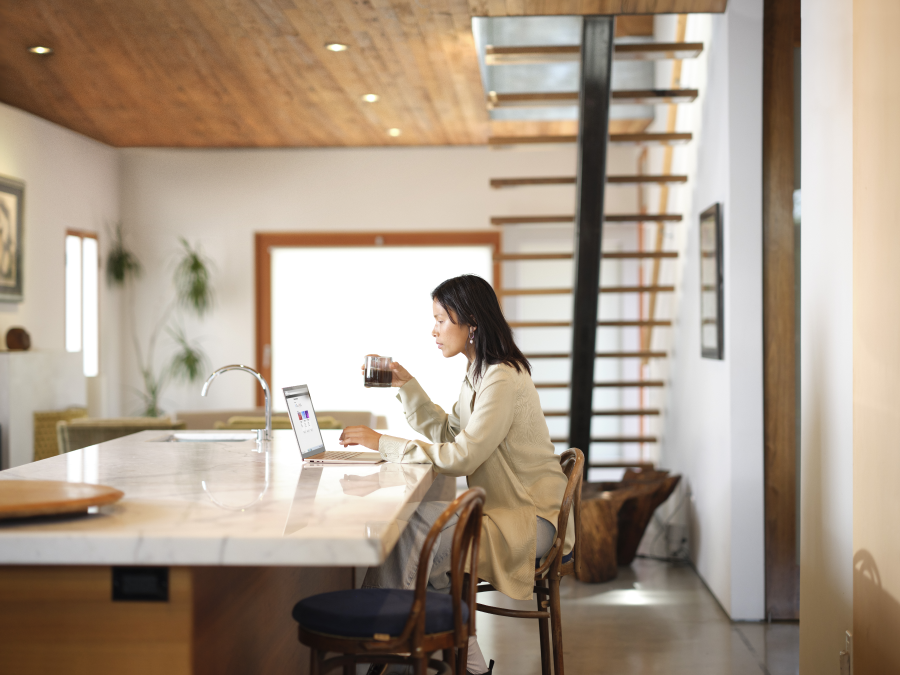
336 47
370 98
39 49
394 132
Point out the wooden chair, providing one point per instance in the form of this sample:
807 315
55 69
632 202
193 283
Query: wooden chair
555 567
379 625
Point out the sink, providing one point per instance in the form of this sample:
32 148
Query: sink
211 437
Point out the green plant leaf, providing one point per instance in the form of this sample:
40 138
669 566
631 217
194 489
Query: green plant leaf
192 280
189 363
121 264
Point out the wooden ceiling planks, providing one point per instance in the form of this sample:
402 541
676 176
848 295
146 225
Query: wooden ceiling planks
255 73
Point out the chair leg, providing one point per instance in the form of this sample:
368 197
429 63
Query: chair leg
420 666
314 661
544 627
350 669
556 628
462 659
448 659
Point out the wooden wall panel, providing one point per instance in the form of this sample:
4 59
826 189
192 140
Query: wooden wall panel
779 314
876 336
548 7
63 620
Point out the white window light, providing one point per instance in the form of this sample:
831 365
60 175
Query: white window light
83 299
90 289
73 293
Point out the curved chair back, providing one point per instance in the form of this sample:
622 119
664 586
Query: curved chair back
463 557
572 464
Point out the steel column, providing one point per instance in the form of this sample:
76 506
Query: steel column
593 132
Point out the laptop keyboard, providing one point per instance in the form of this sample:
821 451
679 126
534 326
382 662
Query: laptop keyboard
337 454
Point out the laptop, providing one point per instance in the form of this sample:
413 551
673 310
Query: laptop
306 429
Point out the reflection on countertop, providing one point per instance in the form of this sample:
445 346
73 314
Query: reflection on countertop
219 503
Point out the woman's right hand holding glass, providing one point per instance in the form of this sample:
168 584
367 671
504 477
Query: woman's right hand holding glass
400 375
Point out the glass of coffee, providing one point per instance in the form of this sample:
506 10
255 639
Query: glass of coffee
378 371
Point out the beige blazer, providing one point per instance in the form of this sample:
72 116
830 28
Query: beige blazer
497 437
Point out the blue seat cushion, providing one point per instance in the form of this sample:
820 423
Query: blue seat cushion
363 612
566 558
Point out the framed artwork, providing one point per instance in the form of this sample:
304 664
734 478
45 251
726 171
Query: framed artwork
712 296
12 197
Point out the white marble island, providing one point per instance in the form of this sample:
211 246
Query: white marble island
240 532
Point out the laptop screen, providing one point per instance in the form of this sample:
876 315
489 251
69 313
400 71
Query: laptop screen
303 420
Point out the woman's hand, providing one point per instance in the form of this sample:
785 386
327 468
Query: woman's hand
400 375
360 435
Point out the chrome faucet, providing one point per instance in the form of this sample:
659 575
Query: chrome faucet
261 434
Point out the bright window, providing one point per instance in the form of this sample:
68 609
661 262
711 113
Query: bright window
332 306
83 298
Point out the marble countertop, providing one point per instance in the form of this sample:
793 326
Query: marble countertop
218 503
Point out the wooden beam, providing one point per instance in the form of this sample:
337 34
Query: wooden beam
618 323
599 355
608 413
615 384
609 218
617 255
779 314
587 8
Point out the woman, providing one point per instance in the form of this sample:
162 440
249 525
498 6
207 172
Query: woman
496 436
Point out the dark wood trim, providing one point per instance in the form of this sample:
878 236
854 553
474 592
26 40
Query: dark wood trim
779 355
642 138
264 241
597 35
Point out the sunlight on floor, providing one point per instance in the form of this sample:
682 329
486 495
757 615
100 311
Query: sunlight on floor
655 618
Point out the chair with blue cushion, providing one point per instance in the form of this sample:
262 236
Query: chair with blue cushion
555 566
381 625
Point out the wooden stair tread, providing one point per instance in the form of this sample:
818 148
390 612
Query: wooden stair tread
645 138
500 56
570 98
603 289
613 439
615 255
620 323
609 218
600 355
498 183
607 413
611 384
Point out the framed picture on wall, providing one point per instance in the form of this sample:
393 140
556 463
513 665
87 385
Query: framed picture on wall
712 296
12 197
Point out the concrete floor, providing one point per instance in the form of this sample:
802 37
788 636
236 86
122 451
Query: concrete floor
655 618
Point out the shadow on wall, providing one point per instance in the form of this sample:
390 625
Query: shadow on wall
876 620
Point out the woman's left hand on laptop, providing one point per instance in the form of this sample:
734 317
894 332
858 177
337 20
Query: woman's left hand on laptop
360 435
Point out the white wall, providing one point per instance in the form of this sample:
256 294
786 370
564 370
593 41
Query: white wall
70 182
714 425
219 198
826 417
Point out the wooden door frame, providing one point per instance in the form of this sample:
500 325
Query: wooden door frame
264 242
780 384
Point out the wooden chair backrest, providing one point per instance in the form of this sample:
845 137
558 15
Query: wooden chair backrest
572 464
466 538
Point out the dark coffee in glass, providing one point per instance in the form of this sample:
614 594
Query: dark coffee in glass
378 371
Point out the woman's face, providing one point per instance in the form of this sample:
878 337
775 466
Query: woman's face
451 336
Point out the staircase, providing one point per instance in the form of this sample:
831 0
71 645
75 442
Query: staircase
627 398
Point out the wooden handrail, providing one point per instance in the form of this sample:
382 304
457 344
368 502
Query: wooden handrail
600 355
617 255
603 289
498 183
646 138
500 56
607 413
609 218
623 323
622 465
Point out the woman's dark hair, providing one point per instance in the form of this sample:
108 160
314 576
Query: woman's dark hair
475 304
